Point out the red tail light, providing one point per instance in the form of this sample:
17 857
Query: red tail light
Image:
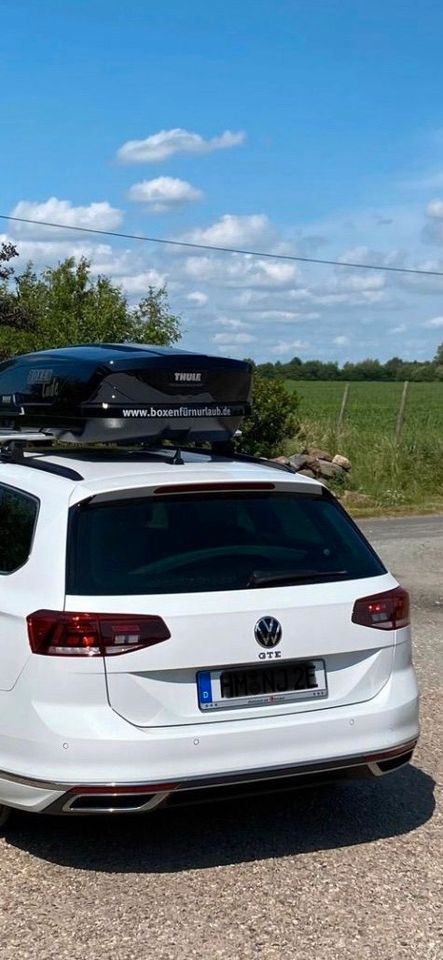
92 634
384 611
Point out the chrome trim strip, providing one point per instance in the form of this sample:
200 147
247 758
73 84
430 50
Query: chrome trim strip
34 781
375 769
154 801
240 776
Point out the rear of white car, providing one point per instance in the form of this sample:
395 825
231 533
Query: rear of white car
181 628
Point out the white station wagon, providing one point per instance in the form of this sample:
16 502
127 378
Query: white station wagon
181 623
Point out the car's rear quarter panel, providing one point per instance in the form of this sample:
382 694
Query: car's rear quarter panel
41 581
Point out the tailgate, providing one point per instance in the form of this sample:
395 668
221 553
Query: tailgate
215 562
158 686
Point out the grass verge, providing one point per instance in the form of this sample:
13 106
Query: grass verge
398 478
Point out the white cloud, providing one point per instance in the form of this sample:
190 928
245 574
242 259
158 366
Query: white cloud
331 299
95 216
269 299
139 282
229 338
370 255
277 274
197 297
353 298
285 347
271 302
164 144
164 193
46 252
232 324
434 324
286 316
435 209
358 281
233 231
240 271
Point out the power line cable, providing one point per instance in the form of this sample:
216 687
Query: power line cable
216 249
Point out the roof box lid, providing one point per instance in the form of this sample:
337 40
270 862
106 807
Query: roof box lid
124 392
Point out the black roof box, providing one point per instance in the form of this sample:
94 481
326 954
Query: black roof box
124 392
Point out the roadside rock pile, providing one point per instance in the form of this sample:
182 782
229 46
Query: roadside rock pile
314 462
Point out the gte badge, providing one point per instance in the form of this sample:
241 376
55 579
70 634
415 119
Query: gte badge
268 633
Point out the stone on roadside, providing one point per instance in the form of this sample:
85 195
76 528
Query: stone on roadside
307 473
299 460
342 462
315 453
329 469
284 460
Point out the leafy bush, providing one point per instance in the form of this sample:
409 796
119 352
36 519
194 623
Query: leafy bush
273 419
68 304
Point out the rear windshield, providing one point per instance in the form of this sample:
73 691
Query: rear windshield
197 543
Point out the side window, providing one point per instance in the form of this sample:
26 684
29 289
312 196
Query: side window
18 514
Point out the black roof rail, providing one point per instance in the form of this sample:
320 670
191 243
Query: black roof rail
12 451
13 447
56 468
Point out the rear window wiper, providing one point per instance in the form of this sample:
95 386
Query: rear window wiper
260 578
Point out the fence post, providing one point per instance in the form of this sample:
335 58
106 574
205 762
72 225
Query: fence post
344 402
401 411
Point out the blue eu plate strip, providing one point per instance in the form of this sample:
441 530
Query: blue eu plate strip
205 687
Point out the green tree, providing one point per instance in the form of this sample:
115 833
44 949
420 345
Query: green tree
393 369
7 252
67 304
425 371
153 321
12 315
273 419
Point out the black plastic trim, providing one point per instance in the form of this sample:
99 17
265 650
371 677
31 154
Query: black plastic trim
57 468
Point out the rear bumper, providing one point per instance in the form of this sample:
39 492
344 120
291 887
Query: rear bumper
145 797
139 798
161 764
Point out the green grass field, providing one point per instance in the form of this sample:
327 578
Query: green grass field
397 476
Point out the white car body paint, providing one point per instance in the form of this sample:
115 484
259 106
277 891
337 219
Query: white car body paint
134 721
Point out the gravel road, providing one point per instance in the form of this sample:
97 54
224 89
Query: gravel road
354 871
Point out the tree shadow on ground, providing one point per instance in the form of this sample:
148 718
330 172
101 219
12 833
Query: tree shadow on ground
238 831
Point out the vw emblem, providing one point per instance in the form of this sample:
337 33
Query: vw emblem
268 632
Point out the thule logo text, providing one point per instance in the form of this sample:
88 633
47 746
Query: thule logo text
188 377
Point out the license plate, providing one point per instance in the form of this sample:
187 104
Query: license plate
262 686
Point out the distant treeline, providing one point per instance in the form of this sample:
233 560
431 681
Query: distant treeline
394 369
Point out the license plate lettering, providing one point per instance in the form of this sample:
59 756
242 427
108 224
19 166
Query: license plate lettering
311 677
275 683
227 685
298 677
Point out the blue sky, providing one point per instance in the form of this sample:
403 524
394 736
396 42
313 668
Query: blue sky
310 127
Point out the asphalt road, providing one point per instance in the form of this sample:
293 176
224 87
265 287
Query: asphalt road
354 871
403 528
